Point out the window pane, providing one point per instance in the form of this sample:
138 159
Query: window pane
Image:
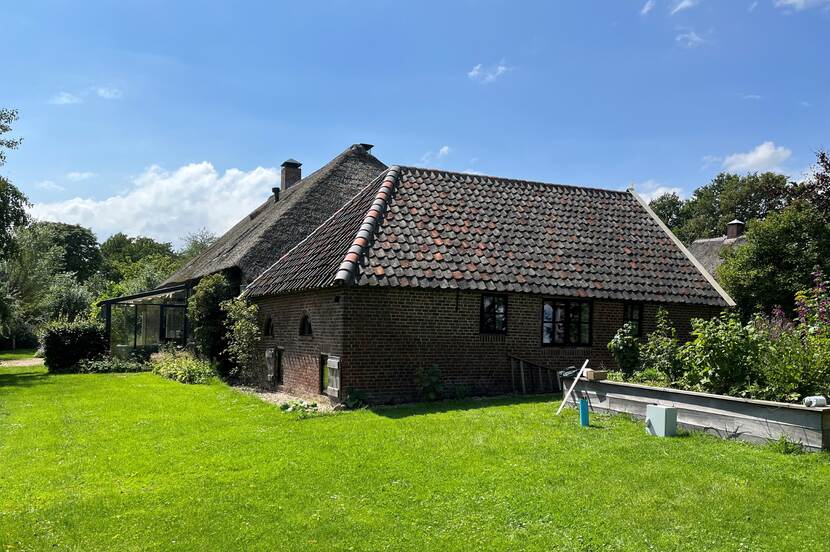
585 334
547 333
548 312
487 303
573 322
500 324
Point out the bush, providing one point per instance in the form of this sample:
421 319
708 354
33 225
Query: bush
356 398
660 351
724 357
182 367
110 365
625 348
429 383
66 344
208 320
243 336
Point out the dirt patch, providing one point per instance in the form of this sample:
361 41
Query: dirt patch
324 403
22 362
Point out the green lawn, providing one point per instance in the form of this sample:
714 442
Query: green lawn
17 354
129 462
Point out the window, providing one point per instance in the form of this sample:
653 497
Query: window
305 326
493 314
566 322
268 328
633 312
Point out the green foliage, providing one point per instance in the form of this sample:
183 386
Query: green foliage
428 382
66 344
182 367
207 319
651 376
625 348
728 196
7 117
723 356
660 351
13 216
81 254
196 243
111 364
125 257
785 446
816 189
669 208
243 335
777 260
66 298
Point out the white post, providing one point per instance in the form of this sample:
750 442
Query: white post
568 394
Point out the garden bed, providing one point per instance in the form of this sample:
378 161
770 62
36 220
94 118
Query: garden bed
727 417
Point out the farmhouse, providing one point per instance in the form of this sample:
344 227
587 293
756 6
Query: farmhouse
482 284
291 212
709 251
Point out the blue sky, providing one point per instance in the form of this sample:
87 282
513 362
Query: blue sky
160 118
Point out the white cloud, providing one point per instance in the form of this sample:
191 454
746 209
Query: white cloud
755 97
431 156
485 75
764 157
651 189
167 205
752 7
108 92
683 5
806 104
647 7
79 176
50 186
65 98
473 171
799 5
688 38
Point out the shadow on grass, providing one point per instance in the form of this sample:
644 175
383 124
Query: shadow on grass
23 379
453 405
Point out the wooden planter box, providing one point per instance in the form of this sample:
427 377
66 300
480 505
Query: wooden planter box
726 417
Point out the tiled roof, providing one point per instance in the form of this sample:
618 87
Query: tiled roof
436 229
270 230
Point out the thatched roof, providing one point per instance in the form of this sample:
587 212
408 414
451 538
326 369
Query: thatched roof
273 228
708 251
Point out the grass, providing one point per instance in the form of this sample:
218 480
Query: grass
129 462
17 354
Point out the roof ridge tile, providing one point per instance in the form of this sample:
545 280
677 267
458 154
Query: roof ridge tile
348 269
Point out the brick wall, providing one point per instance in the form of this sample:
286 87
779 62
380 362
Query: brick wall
390 333
301 356
384 335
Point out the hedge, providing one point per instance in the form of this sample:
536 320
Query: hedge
66 344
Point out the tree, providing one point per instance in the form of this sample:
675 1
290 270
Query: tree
728 196
26 278
66 298
780 254
669 208
121 252
82 255
13 215
12 201
816 189
207 318
196 243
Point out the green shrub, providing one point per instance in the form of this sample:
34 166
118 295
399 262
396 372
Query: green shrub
207 319
182 367
66 344
724 357
651 376
660 351
111 364
428 382
243 335
625 348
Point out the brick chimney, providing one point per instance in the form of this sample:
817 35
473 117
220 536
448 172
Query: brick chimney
290 173
734 229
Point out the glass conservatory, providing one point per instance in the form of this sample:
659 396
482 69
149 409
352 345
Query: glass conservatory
144 321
